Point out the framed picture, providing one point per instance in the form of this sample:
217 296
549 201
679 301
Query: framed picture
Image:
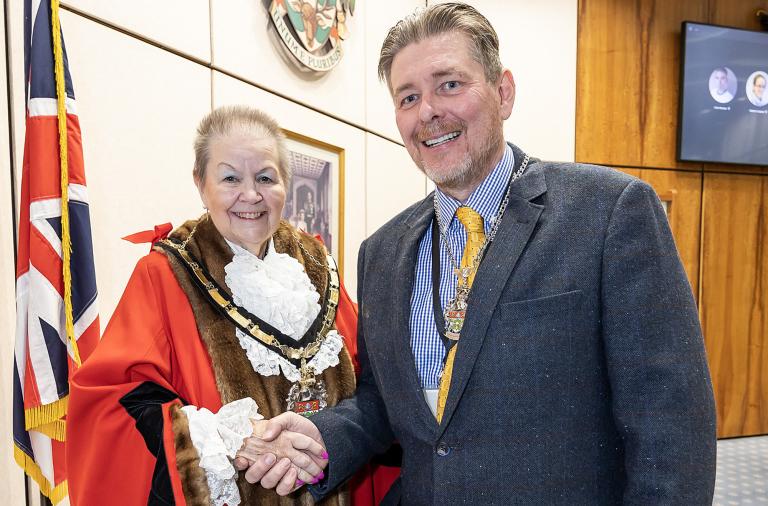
315 198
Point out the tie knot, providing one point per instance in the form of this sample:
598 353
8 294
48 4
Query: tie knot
471 219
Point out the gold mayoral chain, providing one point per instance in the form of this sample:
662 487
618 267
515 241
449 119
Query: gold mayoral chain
456 310
308 395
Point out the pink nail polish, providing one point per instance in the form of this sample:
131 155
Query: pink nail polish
299 483
324 455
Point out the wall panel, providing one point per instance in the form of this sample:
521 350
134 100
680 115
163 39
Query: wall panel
627 107
138 107
242 45
183 25
733 299
393 182
312 124
627 86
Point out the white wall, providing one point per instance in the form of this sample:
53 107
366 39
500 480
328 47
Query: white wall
138 107
182 25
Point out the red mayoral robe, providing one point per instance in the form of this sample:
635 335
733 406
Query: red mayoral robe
153 337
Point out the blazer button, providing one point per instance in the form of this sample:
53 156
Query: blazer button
443 449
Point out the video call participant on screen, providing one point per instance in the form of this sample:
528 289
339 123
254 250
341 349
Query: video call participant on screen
527 332
719 85
758 96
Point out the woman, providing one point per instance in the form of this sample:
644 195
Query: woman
231 314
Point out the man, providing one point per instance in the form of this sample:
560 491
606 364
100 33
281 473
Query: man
759 97
719 86
579 375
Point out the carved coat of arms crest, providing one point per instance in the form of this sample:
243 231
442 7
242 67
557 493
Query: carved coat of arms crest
312 30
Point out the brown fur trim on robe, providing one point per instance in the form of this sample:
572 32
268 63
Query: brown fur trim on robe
235 377
193 480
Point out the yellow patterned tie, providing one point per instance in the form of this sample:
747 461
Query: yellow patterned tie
473 223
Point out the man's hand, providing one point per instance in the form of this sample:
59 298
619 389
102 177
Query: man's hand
284 453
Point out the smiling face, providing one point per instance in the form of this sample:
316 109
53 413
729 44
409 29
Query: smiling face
758 87
243 189
449 116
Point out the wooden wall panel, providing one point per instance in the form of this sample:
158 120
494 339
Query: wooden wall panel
628 74
627 81
682 192
733 299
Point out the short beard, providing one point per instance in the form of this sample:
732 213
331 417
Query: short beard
468 172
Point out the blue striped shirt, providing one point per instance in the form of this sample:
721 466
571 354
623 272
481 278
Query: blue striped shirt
428 349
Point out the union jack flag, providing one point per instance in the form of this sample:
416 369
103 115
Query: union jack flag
50 343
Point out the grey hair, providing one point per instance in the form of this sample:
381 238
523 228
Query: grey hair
234 119
438 19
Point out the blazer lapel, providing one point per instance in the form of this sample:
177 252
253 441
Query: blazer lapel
406 253
514 232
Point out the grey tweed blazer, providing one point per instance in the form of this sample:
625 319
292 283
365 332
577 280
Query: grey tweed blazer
580 378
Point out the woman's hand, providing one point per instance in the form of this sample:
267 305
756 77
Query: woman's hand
294 458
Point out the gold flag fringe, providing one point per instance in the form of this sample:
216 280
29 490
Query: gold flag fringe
46 414
66 240
55 430
55 494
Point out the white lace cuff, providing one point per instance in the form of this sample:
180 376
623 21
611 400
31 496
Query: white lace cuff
217 438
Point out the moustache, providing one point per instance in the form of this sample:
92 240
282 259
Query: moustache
437 128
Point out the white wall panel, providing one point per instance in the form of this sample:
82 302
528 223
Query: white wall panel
538 43
393 181
228 91
16 42
138 107
12 482
183 25
243 46
379 18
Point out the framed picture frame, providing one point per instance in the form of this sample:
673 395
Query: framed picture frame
314 200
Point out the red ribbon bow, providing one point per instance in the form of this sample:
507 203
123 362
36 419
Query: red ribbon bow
159 233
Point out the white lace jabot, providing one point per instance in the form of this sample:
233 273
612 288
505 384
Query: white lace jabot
278 290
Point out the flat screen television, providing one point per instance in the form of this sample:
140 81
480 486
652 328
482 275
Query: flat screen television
723 113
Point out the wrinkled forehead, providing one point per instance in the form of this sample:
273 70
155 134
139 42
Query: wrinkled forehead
432 57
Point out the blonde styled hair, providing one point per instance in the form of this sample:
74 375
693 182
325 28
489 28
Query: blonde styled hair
237 119
438 19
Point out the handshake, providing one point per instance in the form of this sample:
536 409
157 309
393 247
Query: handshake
283 453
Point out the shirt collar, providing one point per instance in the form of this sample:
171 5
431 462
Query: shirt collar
486 198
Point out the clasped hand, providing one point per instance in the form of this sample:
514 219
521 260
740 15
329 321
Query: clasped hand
283 453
